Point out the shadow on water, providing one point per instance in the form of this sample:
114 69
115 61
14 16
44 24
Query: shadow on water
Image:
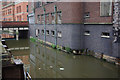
44 62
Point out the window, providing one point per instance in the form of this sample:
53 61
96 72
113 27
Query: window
42 31
87 14
47 18
6 12
42 19
27 8
9 11
53 33
48 2
18 9
19 18
87 33
105 35
37 32
59 34
38 18
53 18
59 17
106 8
47 32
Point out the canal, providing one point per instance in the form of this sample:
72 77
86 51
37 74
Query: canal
44 62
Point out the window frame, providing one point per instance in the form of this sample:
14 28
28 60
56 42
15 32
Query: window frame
105 36
110 10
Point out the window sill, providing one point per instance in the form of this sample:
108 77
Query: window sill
105 36
87 34
53 35
59 37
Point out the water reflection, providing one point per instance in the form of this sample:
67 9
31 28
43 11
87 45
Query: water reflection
49 63
20 54
44 62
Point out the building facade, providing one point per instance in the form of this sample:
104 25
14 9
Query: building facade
15 11
79 26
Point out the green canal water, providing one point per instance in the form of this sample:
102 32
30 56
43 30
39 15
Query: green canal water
44 62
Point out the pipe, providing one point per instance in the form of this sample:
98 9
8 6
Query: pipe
44 25
55 10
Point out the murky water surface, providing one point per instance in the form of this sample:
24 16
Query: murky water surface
45 62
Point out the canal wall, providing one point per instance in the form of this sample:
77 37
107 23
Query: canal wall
74 39
71 35
96 42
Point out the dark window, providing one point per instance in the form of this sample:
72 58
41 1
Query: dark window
47 18
47 31
42 31
87 33
27 8
42 19
105 34
38 18
53 33
87 14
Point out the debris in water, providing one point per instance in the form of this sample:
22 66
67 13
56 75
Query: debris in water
62 69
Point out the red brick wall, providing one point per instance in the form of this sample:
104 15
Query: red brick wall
71 12
74 12
8 17
23 12
94 9
14 14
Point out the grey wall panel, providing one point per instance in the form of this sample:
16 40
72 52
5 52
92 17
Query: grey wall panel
71 35
96 42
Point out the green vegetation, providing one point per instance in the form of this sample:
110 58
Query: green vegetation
53 46
33 39
67 49
41 42
58 47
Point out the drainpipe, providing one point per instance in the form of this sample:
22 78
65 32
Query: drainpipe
55 10
44 25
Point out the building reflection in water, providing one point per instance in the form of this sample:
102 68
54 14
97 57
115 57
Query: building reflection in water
46 62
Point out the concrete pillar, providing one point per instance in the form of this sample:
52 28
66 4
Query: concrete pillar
116 30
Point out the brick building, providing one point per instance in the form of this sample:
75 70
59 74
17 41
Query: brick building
77 25
15 11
